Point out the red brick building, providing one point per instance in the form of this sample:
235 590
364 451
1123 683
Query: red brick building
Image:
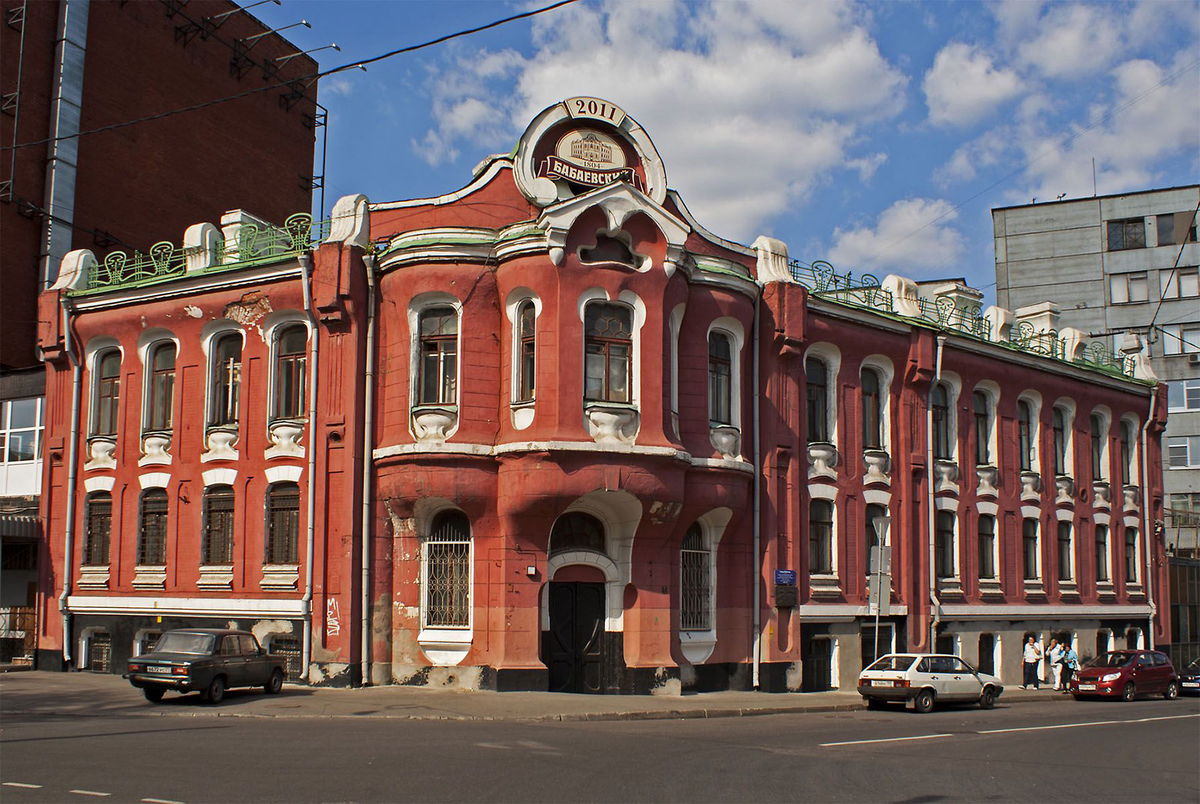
548 432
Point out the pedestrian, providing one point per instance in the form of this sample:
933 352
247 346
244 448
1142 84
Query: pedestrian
1055 654
1033 657
1070 665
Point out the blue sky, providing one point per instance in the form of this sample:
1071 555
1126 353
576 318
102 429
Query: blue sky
875 135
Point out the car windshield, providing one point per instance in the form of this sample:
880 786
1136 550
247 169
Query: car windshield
174 642
893 663
1113 660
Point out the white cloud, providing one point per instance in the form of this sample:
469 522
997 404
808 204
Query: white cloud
867 165
912 235
336 85
753 104
984 151
963 85
1073 41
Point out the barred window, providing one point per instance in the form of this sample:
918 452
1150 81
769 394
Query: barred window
941 422
152 541
983 428
720 389
608 346
447 554
438 382
1102 553
1064 551
820 537
226 380
99 528
1029 548
162 386
576 530
1025 435
1126 233
695 567
218 526
283 524
987 547
817 390
290 367
872 410
944 566
526 351
108 392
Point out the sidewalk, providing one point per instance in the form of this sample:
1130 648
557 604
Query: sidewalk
87 694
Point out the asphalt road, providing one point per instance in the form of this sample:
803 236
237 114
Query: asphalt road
1086 751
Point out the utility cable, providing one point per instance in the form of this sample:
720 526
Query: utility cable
1175 267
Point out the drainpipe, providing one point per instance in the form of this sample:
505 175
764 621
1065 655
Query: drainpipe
305 261
935 605
1147 523
758 470
368 464
72 480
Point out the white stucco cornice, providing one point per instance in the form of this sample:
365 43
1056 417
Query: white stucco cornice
493 168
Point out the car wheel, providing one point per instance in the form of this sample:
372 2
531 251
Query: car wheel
153 694
216 691
987 700
1128 693
874 703
923 703
275 684
1172 691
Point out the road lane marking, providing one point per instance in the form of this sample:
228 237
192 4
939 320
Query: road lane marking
1086 723
161 801
887 740
88 793
22 784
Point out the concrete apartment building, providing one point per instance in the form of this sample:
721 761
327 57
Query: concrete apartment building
1121 264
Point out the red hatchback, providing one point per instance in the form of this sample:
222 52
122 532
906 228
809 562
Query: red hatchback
1126 674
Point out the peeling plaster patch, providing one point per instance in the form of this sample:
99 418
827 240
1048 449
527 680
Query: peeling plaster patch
193 311
324 673
793 676
664 684
687 674
405 652
459 678
249 309
663 512
381 673
264 628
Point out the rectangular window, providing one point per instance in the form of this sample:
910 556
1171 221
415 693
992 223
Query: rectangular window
218 526
1064 552
1097 448
1183 395
1127 233
817 397
1183 452
1184 511
1061 434
695 596
720 390
1180 339
99 528
283 524
108 393
22 422
1025 435
1132 288
1102 553
162 387
290 366
608 347
1131 555
448 572
987 547
944 566
872 409
1176 229
1183 283
820 537
226 381
526 351
983 429
152 544
941 422
1029 548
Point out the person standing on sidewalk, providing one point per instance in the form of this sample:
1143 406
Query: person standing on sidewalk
1055 654
1070 665
1033 657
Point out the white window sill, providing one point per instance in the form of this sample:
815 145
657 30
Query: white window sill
445 647
148 577
697 646
277 577
93 577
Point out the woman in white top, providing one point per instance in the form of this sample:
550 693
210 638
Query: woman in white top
1054 653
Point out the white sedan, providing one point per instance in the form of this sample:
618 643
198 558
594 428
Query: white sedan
925 679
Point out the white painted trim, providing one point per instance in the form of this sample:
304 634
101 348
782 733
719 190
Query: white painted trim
281 474
154 480
1002 611
943 503
218 280
210 606
93 484
834 612
831 356
877 497
1031 512
822 491
988 508
1064 515
484 174
1100 518
224 477
1132 522
613 588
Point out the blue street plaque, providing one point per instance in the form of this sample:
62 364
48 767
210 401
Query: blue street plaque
785 577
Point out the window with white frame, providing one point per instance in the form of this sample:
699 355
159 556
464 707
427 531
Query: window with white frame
695 567
525 358
22 422
982 412
106 392
1029 549
608 353
1184 510
291 362
872 409
152 535
1130 288
1062 441
1181 339
97 529
720 379
1128 454
437 380
944 553
1183 452
217 543
1065 552
1131 555
987 547
942 446
1026 435
1183 283
820 537
873 512
446 559
1102 553
161 375
225 380
1097 436
817 400
283 524
1183 395
1126 233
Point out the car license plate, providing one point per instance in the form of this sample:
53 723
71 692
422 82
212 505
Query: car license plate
154 668
1087 686
878 683
1191 683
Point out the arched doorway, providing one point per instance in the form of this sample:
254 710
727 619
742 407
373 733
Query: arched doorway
574 650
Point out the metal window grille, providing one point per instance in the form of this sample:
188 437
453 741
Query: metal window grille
608 367
218 526
817 382
695 600
290 367
439 357
99 528
720 388
152 546
820 537
448 572
283 524
108 393
288 649
100 653
162 387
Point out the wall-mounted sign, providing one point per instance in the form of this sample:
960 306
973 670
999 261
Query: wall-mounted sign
590 157
595 108
785 577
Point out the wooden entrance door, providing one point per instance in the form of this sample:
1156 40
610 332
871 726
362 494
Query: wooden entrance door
576 637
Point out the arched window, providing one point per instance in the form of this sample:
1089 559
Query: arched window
226 379
162 386
99 528
695 595
720 390
873 541
152 537
438 381
817 398
1102 573
1065 552
217 547
283 524
872 410
1029 548
941 422
446 556
526 351
1097 451
820 537
108 392
608 346
1060 441
290 366
987 547
576 530
983 428
1025 435
944 558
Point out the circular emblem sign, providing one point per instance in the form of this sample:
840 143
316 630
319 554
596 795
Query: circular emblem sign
589 157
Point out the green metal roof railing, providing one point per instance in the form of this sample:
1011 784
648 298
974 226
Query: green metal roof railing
254 244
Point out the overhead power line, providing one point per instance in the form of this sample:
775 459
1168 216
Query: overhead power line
360 64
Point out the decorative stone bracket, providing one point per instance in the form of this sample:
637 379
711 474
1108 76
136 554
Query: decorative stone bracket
285 436
1031 486
102 450
989 479
219 442
1101 494
946 472
434 423
726 439
1133 497
155 449
877 463
611 424
822 460
1066 490
280 576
